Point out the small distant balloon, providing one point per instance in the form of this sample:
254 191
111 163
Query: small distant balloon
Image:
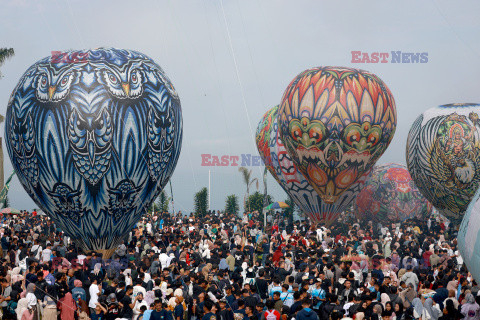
390 195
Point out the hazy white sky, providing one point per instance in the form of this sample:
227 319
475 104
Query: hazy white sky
272 41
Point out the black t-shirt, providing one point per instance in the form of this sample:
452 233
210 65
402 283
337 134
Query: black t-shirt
178 312
113 311
127 312
262 287
239 257
326 283
157 315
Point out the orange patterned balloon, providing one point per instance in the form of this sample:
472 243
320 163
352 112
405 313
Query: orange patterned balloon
336 122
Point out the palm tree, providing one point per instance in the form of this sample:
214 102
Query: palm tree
247 178
5 53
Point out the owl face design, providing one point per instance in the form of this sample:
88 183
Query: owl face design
54 88
22 135
122 198
127 84
90 136
161 131
67 201
160 128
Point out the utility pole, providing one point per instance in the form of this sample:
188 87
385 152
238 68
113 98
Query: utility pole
209 181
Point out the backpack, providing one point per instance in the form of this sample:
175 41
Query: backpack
270 315
11 307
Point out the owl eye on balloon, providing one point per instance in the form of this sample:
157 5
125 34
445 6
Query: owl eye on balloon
126 85
54 88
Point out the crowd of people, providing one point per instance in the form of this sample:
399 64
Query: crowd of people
229 267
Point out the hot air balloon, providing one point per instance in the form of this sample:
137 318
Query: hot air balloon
294 183
468 237
390 195
335 123
94 136
262 139
443 157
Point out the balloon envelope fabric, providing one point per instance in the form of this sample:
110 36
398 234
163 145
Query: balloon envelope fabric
94 136
336 122
443 157
390 195
262 138
298 188
469 237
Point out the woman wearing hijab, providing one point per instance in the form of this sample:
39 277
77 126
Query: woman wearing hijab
450 312
470 309
384 298
67 307
16 276
431 310
31 303
388 312
398 312
417 308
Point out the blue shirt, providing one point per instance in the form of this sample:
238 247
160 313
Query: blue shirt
275 289
320 294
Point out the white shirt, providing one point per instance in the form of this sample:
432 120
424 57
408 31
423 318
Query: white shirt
138 289
136 308
32 299
459 257
164 260
38 249
46 255
93 290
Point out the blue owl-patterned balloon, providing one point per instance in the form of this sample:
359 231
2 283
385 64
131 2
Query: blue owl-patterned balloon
94 136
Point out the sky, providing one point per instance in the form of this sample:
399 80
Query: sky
230 61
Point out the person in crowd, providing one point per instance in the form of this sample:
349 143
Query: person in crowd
223 266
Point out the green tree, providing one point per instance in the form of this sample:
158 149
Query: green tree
163 201
255 201
200 202
247 179
231 204
5 53
288 212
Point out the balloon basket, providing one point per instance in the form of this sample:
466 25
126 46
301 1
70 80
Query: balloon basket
106 253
